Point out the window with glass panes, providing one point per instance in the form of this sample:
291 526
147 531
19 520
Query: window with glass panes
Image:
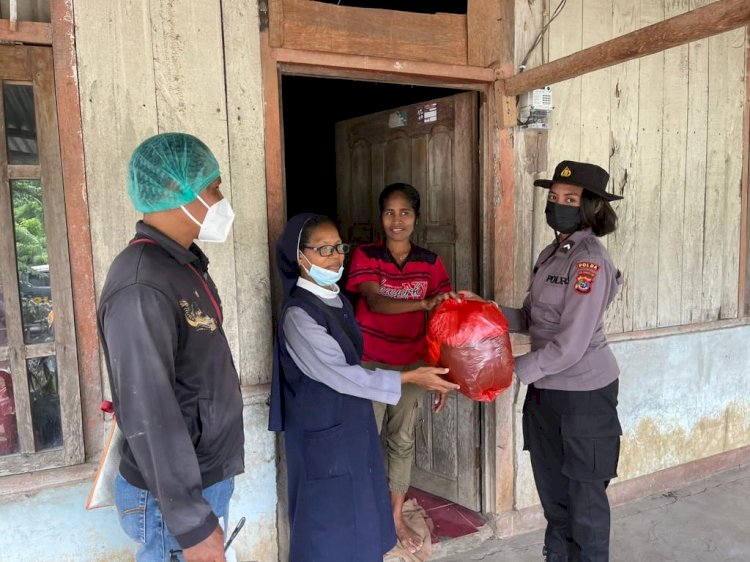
40 410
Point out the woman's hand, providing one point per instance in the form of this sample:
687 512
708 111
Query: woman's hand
432 302
429 378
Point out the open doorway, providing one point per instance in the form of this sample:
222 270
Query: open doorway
344 141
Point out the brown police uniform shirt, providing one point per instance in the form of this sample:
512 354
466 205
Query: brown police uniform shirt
563 313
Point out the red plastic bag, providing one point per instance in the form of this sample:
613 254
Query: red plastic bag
471 338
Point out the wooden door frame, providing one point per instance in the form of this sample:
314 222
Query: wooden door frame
496 208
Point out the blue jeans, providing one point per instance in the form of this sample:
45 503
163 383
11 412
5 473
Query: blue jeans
141 518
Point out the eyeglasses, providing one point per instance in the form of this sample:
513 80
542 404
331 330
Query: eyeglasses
327 251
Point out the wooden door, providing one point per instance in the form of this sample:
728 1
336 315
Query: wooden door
433 146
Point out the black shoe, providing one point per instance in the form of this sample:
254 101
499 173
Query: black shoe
550 556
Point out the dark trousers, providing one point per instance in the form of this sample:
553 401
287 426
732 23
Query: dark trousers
573 438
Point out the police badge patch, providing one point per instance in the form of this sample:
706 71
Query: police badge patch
585 277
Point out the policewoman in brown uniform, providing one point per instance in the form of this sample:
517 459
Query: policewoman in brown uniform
570 423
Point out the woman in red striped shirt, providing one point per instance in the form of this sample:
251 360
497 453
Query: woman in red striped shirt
398 283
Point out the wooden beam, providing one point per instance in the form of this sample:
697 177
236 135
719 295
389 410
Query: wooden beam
491 26
28 32
274 151
375 66
723 15
78 222
316 26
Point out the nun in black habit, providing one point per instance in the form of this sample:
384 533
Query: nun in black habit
339 507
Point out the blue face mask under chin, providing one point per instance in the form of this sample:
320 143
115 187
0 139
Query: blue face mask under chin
323 277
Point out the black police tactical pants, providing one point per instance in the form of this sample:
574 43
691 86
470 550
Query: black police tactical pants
573 438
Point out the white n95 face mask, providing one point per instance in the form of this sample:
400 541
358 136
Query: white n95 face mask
217 223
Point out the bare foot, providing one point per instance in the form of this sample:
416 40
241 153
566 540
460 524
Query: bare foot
410 540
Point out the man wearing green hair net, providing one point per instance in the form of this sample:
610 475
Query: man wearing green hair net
174 384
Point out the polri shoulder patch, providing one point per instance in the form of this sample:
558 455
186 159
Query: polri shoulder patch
586 273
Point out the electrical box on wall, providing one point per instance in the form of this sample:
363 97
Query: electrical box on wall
535 109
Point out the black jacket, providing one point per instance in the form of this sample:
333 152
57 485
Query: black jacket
174 384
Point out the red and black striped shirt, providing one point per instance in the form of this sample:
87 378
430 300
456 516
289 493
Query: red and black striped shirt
395 339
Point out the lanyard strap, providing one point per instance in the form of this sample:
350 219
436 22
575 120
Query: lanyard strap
203 283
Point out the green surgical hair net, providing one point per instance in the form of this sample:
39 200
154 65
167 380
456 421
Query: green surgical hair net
169 170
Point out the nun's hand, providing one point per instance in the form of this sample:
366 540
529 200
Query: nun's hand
429 378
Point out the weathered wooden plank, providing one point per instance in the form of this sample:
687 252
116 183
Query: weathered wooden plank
530 149
565 37
386 69
505 106
398 159
317 26
695 179
118 104
623 167
78 223
464 191
444 441
274 154
377 183
648 185
734 104
467 451
504 210
713 225
187 40
487 241
117 90
674 158
722 15
275 21
244 92
40 349
59 259
20 463
490 31
16 64
24 172
595 98
27 32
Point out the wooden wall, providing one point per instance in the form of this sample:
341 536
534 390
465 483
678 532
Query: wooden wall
151 67
668 128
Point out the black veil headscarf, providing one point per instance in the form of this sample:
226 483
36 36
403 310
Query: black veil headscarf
287 248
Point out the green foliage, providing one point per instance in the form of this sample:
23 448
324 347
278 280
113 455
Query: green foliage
28 216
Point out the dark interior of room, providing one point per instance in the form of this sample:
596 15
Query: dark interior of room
311 109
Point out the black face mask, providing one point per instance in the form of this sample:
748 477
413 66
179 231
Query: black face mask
563 218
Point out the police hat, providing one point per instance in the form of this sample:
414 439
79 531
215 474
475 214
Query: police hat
590 177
